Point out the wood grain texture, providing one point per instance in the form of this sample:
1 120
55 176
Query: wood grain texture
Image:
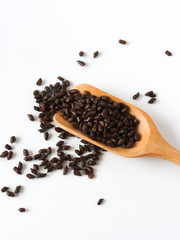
151 143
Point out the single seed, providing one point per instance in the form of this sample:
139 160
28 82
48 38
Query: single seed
30 116
8 147
33 171
65 170
77 173
46 135
49 150
135 96
60 78
168 53
25 152
10 154
12 139
149 94
30 176
10 194
44 162
4 154
17 189
81 53
91 175
21 209
41 175
37 156
152 100
4 189
39 82
35 167
20 165
122 41
50 169
95 54
100 201
42 150
17 170
81 63
28 158
58 129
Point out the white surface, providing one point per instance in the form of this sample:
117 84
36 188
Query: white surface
42 39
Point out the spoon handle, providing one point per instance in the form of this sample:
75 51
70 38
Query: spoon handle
163 150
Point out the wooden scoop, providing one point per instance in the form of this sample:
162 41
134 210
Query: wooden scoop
151 143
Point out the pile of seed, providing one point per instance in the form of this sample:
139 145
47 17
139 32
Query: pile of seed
98 117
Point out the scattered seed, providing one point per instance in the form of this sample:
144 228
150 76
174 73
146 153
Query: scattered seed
65 170
10 194
25 152
8 147
20 165
30 176
39 82
152 100
122 41
30 116
46 135
81 63
95 54
37 156
17 189
135 96
10 154
33 171
91 175
21 209
168 53
4 154
60 78
35 167
28 158
100 201
12 139
81 53
4 189
17 170
149 94
42 150
41 175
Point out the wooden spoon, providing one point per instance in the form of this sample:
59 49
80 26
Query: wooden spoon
151 143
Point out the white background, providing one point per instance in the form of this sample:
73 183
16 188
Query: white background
42 39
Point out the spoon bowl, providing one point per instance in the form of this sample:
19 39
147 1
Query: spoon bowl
151 143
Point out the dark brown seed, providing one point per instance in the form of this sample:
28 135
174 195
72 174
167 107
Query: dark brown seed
17 170
10 154
42 150
43 157
20 165
77 173
21 209
41 175
17 189
60 78
81 63
59 144
4 154
58 129
36 92
12 139
25 152
65 170
4 189
39 82
137 137
28 158
91 175
49 150
54 160
168 53
33 171
50 169
30 116
91 162
149 94
83 141
85 171
95 54
37 156
10 194
44 162
81 53
100 201
47 165
65 147
35 167
90 169
152 100
46 135
122 41
135 96
58 166
30 176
